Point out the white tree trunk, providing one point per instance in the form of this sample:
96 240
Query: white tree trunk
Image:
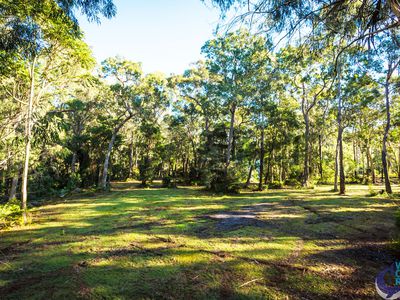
107 160
28 137
230 135
13 189
109 150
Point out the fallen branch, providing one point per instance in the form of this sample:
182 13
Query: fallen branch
248 282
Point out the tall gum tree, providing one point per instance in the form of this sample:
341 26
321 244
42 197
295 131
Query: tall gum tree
125 77
307 81
384 60
233 59
44 37
52 60
154 99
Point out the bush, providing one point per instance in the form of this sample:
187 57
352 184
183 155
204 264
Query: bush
225 182
10 214
275 185
352 179
293 183
74 182
371 191
168 183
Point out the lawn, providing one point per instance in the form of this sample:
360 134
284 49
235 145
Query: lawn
188 244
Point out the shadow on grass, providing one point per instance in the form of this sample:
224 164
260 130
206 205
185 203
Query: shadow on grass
158 244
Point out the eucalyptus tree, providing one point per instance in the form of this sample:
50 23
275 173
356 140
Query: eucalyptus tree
389 48
49 59
17 16
197 108
194 88
307 76
394 139
32 32
354 20
261 102
154 98
182 143
368 133
234 59
356 90
124 102
82 104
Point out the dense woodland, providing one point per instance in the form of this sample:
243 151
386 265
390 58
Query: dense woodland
313 100
269 169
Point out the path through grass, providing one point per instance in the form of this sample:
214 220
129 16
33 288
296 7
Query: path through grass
187 244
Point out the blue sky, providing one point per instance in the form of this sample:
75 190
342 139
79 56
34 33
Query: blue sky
165 35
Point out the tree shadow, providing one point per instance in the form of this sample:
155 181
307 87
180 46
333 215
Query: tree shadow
161 243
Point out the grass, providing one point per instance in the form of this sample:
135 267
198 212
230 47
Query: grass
165 244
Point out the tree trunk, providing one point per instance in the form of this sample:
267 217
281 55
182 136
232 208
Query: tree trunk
306 171
28 137
195 159
107 160
206 125
136 158
335 184
230 136
321 170
109 149
73 162
249 175
340 165
373 175
355 159
369 168
342 189
388 187
14 185
131 153
398 165
260 183
268 173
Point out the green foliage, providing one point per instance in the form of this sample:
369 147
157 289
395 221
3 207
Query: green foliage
225 181
292 183
347 20
371 191
74 181
146 170
168 182
275 185
10 214
208 126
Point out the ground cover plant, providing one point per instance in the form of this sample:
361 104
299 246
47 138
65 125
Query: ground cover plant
157 243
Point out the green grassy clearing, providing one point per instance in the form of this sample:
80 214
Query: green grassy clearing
162 244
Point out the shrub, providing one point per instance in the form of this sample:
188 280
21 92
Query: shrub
352 179
225 182
73 184
167 182
74 181
10 214
371 191
293 183
275 185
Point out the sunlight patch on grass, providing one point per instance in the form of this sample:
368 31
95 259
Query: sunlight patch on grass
157 243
